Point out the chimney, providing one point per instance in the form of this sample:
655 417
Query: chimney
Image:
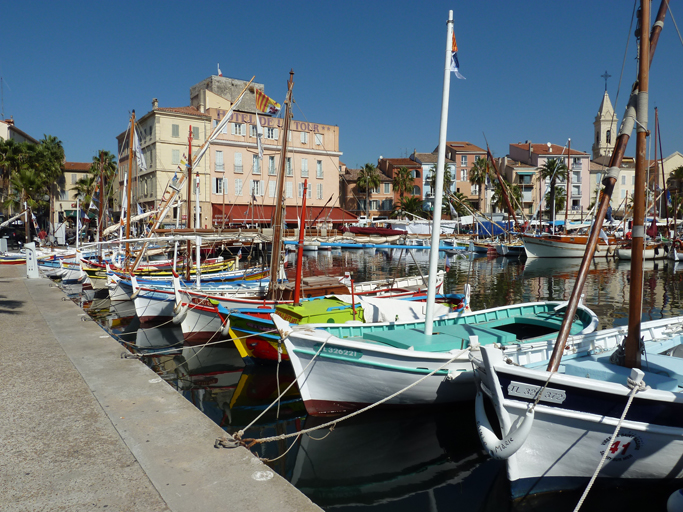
155 103
531 150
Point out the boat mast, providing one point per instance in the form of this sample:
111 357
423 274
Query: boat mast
300 249
632 343
276 246
131 149
608 182
503 189
100 217
189 203
658 133
438 185
567 185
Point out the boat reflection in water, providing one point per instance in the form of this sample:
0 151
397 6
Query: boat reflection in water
411 460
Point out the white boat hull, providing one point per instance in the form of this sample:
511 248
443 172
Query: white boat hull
539 247
575 418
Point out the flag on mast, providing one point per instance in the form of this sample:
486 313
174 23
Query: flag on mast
266 104
219 70
138 152
454 59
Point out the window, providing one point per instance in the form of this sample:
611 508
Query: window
388 204
195 132
288 189
387 188
463 160
576 190
576 177
238 187
239 129
63 195
271 133
218 185
623 180
289 136
74 179
301 190
220 166
319 191
319 168
252 131
361 204
175 156
304 137
475 189
463 174
257 188
374 204
633 179
289 169
257 164
375 190
175 130
214 123
271 188
416 190
271 165
318 139
623 193
608 137
304 167
238 163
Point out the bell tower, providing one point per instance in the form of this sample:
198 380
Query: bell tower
604 133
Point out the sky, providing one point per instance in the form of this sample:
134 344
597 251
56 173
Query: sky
533 69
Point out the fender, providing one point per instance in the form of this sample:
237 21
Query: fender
225 328
500 449
180 312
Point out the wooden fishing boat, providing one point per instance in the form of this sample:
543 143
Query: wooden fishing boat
351 359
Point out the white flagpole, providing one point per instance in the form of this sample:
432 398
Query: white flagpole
438 193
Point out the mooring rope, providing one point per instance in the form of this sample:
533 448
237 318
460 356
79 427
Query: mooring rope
248 443
635 387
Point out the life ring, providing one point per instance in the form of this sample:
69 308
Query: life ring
501 449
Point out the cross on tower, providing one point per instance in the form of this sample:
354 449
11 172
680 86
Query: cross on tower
606 76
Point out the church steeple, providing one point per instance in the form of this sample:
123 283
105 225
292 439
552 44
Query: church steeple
605 131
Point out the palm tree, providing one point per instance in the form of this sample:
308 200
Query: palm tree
403 181
368 178
513 191
459 202
109 168
479 174
411 204
447 179
553 169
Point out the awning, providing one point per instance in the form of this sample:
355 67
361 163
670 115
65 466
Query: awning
246 214
526 173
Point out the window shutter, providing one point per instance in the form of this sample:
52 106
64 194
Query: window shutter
271 188
288 189
276 133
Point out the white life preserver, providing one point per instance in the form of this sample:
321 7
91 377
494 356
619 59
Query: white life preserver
500 449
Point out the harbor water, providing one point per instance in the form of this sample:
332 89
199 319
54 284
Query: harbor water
412 460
